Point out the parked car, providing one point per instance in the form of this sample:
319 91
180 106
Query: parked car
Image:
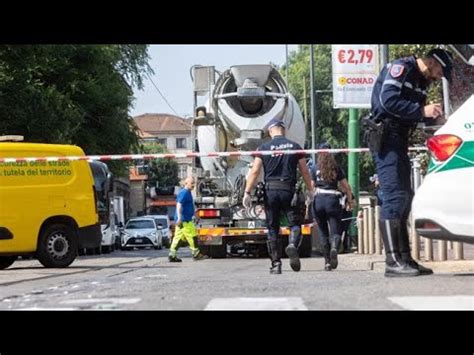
108 238
443 206
163 222
140 233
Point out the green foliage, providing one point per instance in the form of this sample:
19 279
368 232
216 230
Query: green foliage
331 124
72 94
161 172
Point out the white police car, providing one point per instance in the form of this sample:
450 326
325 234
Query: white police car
443 206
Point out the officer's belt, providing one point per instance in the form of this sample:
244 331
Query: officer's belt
327 191
396 124
277 185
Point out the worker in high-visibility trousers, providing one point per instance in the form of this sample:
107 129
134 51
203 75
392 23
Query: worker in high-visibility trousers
185 228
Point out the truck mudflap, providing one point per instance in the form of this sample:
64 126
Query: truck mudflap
215 235
90 236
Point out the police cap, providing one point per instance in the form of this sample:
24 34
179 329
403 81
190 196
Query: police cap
276 122
445 59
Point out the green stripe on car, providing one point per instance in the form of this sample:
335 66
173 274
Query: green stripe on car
463 158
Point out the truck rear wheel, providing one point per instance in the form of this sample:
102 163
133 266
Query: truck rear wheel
6 261
306 247
218 251
57 246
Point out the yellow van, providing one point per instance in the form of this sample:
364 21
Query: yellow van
48 209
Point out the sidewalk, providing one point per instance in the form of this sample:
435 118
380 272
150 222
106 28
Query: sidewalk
450 266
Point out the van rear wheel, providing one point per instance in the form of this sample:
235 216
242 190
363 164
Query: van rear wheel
57 246
6 261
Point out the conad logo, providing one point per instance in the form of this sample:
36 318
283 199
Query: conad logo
355 81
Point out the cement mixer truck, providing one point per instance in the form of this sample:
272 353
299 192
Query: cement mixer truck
240 104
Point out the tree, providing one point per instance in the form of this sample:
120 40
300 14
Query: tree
332 124
73 94
162 173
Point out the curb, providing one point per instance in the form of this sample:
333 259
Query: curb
377 263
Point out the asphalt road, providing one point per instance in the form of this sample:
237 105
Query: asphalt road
145 280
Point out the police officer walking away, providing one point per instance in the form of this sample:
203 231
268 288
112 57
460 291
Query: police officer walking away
327 207
398 104
280 181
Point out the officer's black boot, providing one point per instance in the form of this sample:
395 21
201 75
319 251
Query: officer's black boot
274 250
335 240
294 242
326 250
394 266
404 245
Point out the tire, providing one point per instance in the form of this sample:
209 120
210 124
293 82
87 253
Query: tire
6 261
284 244
57 246
218 251
306 247
205 249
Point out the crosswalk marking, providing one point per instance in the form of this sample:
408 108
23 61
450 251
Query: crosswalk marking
459 302
256 303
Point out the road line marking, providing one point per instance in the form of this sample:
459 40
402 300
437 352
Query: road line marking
45 309
103 300
457 302
256 303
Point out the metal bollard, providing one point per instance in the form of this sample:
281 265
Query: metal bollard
378 236
366 231
458 251
428 249
442 250
360 235
370 212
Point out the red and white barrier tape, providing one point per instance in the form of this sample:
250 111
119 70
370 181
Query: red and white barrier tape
190 155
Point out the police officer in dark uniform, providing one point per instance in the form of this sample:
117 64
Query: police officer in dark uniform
327 177
280 182
398 104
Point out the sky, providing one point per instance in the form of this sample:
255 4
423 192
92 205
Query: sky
172 64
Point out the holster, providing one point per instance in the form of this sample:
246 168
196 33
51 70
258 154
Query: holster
375 132
260 192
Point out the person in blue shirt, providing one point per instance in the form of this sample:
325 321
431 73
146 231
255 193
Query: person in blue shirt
398 103
185 228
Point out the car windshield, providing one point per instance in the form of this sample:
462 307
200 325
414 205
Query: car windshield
162 221
142 224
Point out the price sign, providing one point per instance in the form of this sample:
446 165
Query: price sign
352 56
354 71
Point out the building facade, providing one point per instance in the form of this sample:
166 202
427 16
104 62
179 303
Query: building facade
172 132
